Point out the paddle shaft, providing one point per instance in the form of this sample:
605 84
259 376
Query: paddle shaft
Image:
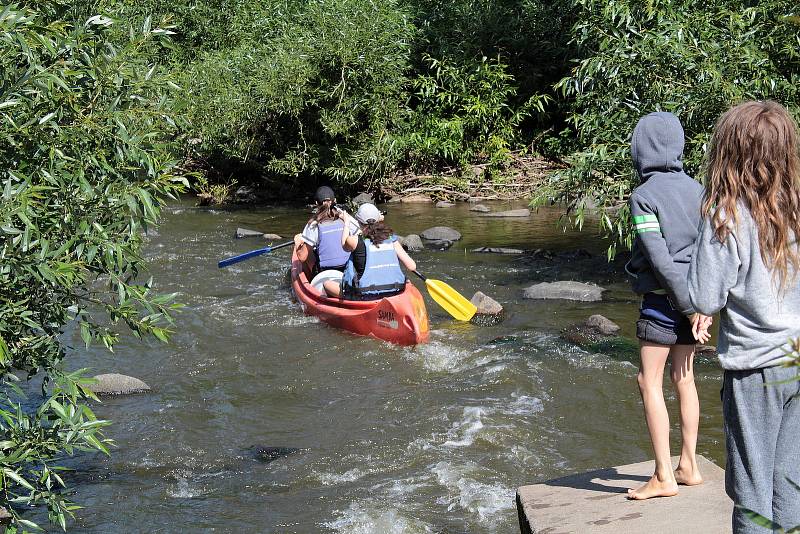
251 254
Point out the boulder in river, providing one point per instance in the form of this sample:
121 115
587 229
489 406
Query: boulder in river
438 244
416 199
444 204
509 213
565 289
271 237
602 324
709 351
244 232
438 233
363 198
270 454
412 243
480 208
498 250
116 384
486 304
490 312
599 334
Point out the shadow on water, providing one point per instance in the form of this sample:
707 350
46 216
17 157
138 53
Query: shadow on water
261 419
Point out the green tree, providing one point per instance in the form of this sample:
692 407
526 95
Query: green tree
85 166
693 58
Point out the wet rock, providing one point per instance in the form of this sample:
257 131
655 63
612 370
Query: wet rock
489 313
709 351
270 454
509 213
415 199
244 232
271 237
565 290
480 207
438 233
498 250
116 384
363 198
591 331
598 334
394 200
444 204
602 324
438 244
486 304
412 243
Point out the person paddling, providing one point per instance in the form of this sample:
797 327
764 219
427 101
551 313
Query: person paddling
322 235
373 270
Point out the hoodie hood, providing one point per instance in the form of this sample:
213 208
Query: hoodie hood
657 145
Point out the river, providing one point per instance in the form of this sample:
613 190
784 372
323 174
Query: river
433 438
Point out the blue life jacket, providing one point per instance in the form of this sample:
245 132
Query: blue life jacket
329 247
382 272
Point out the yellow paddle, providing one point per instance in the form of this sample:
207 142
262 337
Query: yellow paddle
449 299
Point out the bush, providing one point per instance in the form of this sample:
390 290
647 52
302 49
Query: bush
318 99
463 113
689 57
85 161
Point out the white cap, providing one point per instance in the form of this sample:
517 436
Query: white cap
368 213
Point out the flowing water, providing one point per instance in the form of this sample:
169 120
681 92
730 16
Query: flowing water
370 437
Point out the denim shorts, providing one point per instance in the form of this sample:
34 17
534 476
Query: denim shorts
659 322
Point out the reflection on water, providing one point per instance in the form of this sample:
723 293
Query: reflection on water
433 438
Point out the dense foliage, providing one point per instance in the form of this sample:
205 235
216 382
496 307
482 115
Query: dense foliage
693 58
287 93
85 163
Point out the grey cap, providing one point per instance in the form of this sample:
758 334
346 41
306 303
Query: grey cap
368 213
324 193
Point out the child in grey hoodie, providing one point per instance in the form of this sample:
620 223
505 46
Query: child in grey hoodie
666 212
746 265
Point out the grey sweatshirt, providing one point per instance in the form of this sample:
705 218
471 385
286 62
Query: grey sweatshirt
665 210
756 320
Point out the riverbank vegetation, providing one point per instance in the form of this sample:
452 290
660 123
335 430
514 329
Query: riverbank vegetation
388 95
85 118
107 106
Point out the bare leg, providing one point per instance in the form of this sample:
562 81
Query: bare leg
651 385
332 288
682 375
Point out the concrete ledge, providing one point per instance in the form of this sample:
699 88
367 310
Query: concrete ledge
596 502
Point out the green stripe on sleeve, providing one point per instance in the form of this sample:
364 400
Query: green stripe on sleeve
644 218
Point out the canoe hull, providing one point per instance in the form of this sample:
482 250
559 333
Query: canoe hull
400 319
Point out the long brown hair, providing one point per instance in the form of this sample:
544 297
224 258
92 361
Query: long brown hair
377 232
753 159
326 211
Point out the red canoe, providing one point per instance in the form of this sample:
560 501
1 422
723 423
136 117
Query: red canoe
400 319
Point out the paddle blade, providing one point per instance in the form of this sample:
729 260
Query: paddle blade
451 300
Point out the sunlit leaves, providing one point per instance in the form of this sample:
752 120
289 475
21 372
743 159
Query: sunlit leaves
692 58
86 122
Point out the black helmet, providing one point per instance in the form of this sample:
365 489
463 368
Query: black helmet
324 193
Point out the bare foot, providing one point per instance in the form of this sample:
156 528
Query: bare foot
654 488
688 476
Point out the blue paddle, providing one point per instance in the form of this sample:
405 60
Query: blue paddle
251 254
